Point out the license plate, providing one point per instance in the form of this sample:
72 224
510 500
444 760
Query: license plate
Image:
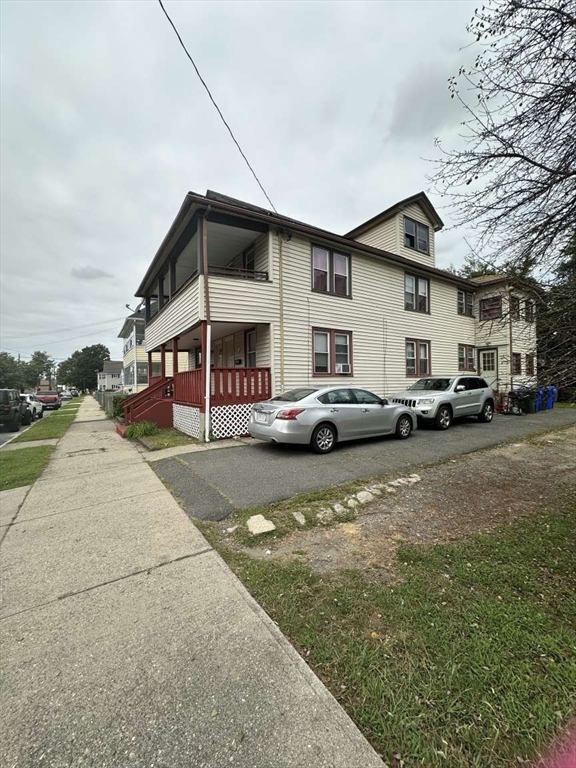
260 417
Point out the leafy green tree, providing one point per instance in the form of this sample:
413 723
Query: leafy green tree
12 372
40 366
80 368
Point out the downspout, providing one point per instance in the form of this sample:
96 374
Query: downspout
281 302
510 338
207 355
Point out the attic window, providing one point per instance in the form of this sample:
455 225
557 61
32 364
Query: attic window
415 235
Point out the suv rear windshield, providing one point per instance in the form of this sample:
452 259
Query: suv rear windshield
434 385
6 395
293 395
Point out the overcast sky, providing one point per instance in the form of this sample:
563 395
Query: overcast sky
105 127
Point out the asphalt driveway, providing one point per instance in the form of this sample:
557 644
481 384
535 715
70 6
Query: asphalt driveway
210 485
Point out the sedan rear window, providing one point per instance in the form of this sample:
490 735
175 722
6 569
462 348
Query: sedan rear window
293 395
434 385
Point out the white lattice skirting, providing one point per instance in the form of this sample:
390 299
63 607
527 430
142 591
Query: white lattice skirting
186 418
230 420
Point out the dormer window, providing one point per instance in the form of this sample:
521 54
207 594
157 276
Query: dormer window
415 235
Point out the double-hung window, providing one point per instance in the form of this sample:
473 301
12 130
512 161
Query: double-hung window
491 308
516 364
332 352
416 235
330 271
417 357
529 311
465 303
514 308
416 293
466 357
530 364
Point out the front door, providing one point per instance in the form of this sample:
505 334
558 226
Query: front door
488 366
228 346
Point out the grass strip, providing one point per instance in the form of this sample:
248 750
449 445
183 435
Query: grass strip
49 427
167 438
22 467
467 659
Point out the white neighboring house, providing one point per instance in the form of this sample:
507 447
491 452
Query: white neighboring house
110 377
262 303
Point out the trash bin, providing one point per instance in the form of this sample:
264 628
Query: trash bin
551 398
529 402
540 400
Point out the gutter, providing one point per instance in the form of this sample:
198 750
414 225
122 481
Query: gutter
207 353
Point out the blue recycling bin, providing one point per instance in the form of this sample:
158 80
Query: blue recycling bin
540 400
551 398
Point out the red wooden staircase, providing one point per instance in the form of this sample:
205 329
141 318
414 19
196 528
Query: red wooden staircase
152 404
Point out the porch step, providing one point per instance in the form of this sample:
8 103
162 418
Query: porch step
121 429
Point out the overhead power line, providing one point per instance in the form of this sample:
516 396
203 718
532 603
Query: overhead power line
253 172
63 330
70 338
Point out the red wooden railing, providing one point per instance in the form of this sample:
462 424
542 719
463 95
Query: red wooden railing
228 386
154 380
189 387
134 404
239 385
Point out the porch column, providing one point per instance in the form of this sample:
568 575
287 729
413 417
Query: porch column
160 292
172 280
175 355
163 360
149 366
148 309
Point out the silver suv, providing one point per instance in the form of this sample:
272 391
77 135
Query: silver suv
440 399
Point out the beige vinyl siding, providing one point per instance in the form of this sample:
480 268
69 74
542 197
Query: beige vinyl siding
236 300
376 317
261 254
178 316
496 333
263 346
383 235
414 211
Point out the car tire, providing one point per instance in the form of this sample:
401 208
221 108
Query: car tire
14 426
323 438
41 414
487 413
443 418
28 419
403 427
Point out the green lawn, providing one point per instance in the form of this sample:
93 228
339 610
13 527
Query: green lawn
51 426
22 467
466 660
167 438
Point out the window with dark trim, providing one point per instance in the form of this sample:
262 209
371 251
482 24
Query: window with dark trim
514 308
330 271
466 357
416 235
465 303
416 293
516 364
331 352
529 364
491 308
418 357
529 311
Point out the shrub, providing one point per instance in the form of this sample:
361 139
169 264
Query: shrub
117 400
141 429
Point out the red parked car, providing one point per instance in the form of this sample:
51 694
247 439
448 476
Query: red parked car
50 400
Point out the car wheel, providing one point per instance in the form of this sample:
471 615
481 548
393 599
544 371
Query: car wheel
41 414
14 426
443 417
403 427
323 438
487 413
28 418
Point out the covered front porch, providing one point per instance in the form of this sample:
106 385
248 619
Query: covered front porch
215 401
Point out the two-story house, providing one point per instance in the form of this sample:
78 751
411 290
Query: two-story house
262 303
110 377
135 360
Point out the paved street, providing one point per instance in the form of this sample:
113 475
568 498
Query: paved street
126 641
211 484
6 436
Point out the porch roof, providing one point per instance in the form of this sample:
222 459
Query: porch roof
195 204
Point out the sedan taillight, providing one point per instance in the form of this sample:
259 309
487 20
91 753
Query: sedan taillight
290 414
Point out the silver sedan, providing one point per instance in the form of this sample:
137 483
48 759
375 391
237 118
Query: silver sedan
323 417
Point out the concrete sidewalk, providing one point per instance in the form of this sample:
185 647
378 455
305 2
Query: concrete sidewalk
126 641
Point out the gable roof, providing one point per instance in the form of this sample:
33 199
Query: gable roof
135 317
421 198
112 366
195 203
482 280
